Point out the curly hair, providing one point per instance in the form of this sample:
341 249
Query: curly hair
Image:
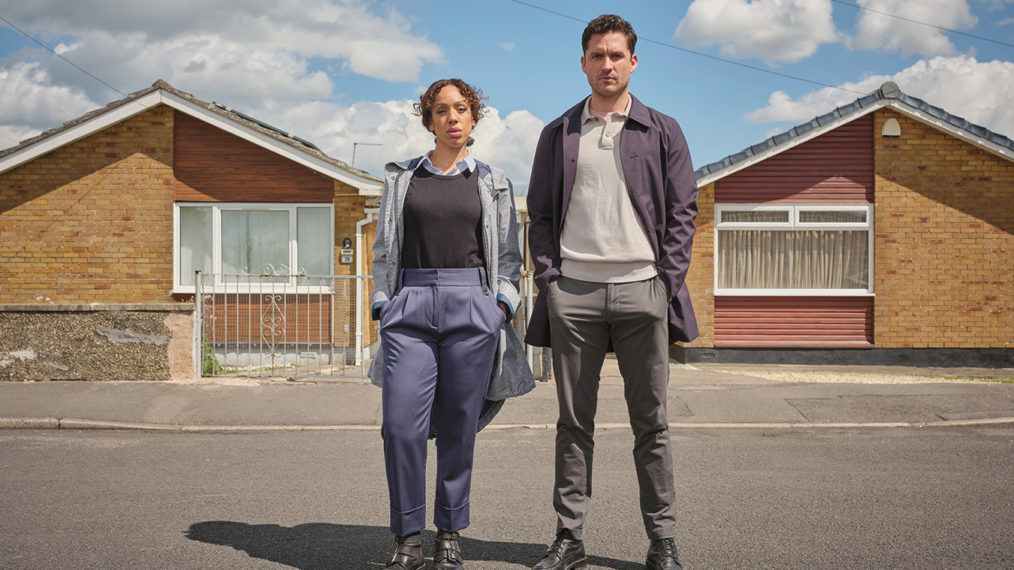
473 96
609 23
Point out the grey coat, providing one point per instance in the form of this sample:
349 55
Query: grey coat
511 374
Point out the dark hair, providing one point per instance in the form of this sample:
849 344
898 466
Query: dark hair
609 23
472 95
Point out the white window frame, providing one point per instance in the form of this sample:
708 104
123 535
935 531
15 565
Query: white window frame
216 240
793 223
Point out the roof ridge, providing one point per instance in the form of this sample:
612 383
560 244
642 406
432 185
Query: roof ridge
887 90
246 120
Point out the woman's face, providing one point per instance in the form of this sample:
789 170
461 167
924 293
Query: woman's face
452 119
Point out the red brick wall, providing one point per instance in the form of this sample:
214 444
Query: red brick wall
91 222
944 241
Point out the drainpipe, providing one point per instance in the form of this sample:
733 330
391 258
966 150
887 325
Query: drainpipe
529 278
198 356
529 284
359 283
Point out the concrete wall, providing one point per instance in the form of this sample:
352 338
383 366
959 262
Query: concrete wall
96 342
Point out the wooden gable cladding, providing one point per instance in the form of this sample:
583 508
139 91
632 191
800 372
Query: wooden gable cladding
836 166
794 322
212 165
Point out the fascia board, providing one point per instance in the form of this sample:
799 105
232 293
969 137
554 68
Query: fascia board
900 106
78 132
129 109
951 128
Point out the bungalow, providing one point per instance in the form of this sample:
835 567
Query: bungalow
881 232
105 221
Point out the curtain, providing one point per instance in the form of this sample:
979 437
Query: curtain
798 259
254 242
195 243
313 242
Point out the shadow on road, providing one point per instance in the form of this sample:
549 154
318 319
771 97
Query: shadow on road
342 546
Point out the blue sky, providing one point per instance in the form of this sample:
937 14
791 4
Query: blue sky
342 71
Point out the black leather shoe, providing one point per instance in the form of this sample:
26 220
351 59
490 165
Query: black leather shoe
407 553
447 551
566 553
662 555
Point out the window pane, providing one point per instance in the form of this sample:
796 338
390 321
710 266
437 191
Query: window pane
195 243
254 242
824 216
759 216
313 240
751 259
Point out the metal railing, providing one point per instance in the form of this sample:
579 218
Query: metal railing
299 326
290 325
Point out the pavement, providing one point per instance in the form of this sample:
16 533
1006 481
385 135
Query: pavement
701 396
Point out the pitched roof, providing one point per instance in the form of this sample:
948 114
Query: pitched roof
888 95
160 92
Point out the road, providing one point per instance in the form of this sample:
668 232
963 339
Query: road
749 498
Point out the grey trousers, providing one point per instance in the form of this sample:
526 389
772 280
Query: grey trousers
583 318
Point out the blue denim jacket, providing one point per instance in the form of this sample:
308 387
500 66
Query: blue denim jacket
511 374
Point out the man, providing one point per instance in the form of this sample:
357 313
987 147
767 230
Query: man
612 202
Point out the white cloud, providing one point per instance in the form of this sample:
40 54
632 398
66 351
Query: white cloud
11 135
993 5
30 102
334 127
30 98
507 142
783 31
977 91
877 31
259 56
254 55
238 50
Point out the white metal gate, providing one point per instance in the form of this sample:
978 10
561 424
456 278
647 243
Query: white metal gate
290 325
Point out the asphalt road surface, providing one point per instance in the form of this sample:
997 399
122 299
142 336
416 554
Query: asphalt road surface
789 498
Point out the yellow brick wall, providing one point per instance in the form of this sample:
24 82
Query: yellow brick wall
350 208
701 277
91 222
944 241
371 327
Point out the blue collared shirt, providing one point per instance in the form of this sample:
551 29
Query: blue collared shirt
466 164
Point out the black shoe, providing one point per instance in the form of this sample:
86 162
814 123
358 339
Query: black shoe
447 551
662 555
566 553
407 553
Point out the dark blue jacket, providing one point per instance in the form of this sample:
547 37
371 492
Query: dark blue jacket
660 178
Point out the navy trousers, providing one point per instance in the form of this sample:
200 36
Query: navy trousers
439 333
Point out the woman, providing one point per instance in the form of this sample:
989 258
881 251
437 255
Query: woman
446 268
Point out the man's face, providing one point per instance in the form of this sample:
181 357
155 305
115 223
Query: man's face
608 64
